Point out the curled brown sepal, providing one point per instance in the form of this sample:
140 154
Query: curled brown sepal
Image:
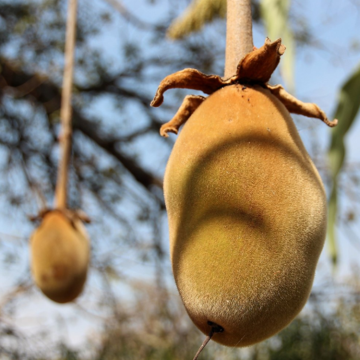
258 65
295 106
189 79
189 105
255 67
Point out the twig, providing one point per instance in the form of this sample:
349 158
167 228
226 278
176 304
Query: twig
214 329
65 112
239 39
23 286
14 237
39 195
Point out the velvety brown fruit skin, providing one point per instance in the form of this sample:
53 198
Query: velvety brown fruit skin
247 215
59 257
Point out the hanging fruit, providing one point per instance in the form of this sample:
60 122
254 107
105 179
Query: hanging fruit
60 255
60 245
246 205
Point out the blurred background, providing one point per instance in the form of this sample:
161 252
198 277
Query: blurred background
130 308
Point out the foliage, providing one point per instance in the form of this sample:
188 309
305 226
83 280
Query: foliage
197 14
201 12
347 109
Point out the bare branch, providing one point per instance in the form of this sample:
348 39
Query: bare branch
92 132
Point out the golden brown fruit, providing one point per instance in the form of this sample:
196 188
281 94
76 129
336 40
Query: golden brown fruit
247 215
246 205
60 256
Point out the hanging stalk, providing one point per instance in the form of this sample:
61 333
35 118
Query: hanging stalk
239 42
239 39
65 112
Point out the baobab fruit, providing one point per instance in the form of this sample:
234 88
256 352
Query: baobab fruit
60 256
246 205
247 215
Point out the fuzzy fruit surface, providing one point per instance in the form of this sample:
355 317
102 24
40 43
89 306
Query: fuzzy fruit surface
59 257
247 215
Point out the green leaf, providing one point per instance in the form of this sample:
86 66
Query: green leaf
275 14
196 16
346 111
332 213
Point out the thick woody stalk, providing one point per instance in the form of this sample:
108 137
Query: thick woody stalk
239 39
65 112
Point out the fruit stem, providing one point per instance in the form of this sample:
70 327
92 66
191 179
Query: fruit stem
65 112
239 39
214 329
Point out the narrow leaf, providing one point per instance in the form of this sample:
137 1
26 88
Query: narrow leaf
346 111
196 16
332 213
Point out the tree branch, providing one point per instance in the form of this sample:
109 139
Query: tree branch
92 132
48 95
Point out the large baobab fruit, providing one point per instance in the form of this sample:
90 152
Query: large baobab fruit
247 215
246 205
60 256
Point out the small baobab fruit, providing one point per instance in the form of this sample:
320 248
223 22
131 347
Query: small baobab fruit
60 255
246 205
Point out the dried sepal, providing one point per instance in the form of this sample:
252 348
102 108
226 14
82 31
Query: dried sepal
254 68
295 106
189 79
258 65
189 105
